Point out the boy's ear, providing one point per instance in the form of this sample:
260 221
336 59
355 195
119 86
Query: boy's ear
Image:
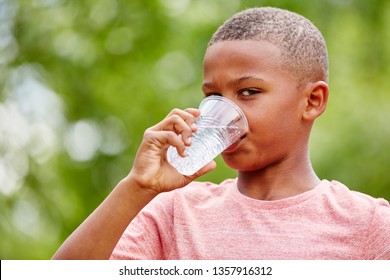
316 98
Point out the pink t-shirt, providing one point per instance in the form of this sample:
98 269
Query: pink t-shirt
209 221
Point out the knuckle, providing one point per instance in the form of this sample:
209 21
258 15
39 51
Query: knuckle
149 134
175 111
171 135
176 118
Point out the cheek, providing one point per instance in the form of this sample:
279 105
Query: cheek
273 126
261 122
274 115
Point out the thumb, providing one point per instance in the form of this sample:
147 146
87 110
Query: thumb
205 169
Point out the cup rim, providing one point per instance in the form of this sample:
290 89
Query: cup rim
234 105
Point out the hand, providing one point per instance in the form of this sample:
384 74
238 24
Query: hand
151 170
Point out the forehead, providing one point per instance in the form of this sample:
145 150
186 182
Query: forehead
246 56
232 60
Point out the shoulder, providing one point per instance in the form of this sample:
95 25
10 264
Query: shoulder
349 207
341 195
369 215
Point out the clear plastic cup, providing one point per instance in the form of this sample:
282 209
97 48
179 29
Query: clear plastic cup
221 124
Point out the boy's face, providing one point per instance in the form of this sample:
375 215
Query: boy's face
250 74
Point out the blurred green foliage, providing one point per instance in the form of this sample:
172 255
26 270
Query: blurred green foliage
80 81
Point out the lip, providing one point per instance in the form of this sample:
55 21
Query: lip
233 147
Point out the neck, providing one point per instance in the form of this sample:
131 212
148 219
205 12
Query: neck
278 181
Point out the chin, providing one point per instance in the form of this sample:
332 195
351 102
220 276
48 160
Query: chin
242 164
239 165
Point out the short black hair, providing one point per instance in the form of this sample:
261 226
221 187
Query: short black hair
302 45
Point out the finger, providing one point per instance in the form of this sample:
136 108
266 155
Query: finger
161 140
179 126
193 111
189 112
189 115
182 122
196 113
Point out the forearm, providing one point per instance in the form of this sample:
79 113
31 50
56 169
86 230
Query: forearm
151 174
97 236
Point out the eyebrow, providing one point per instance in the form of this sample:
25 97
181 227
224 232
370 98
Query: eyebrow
245 78
235 82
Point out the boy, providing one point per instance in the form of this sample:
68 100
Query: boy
273 64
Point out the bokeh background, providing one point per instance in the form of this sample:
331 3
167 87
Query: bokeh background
80 81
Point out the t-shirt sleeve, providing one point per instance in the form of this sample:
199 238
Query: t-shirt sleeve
145 237
378 241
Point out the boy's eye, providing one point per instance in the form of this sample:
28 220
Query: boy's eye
248 92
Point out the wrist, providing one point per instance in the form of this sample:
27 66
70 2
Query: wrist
136 188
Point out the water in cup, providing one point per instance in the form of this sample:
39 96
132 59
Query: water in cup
220 125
